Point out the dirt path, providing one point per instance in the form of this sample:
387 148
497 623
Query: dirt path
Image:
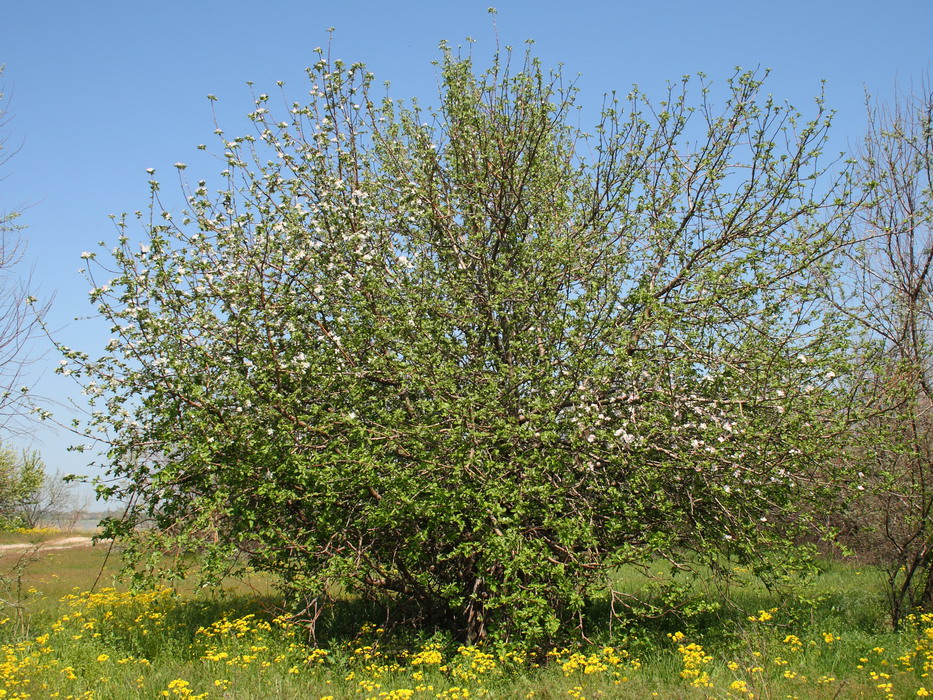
66 543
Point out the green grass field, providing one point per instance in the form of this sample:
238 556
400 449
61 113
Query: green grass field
828 639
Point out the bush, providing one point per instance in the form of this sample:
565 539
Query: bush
467 361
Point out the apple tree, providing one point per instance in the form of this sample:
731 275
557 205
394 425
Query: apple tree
467 360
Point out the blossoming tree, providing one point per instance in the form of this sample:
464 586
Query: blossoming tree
468 360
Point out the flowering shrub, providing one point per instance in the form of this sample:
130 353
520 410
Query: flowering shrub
448 360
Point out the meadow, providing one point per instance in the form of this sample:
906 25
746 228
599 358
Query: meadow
69 631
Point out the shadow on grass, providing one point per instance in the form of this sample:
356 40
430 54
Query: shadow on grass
647 606
650 605
644 610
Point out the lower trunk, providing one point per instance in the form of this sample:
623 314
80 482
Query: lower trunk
475 614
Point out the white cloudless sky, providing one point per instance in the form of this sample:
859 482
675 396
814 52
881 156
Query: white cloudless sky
102 90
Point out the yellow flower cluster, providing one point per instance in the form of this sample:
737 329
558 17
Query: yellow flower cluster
37 531
430 655
471 663
179 688
615 663
694 659
793 643
44 667
763 615
102 642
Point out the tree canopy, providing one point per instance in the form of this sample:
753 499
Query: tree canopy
470 359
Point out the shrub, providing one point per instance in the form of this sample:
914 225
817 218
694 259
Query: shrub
467 361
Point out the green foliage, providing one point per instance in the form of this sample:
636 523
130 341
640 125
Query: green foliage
467 361
22 477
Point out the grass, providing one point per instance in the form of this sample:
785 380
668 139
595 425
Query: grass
829 639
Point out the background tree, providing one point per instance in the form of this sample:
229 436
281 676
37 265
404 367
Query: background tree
46 498
22 482
892 282
472 359
31 505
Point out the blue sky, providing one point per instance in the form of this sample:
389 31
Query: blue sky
103 90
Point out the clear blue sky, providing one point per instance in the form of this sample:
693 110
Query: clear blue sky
103 90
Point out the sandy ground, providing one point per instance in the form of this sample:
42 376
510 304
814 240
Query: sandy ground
66 543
